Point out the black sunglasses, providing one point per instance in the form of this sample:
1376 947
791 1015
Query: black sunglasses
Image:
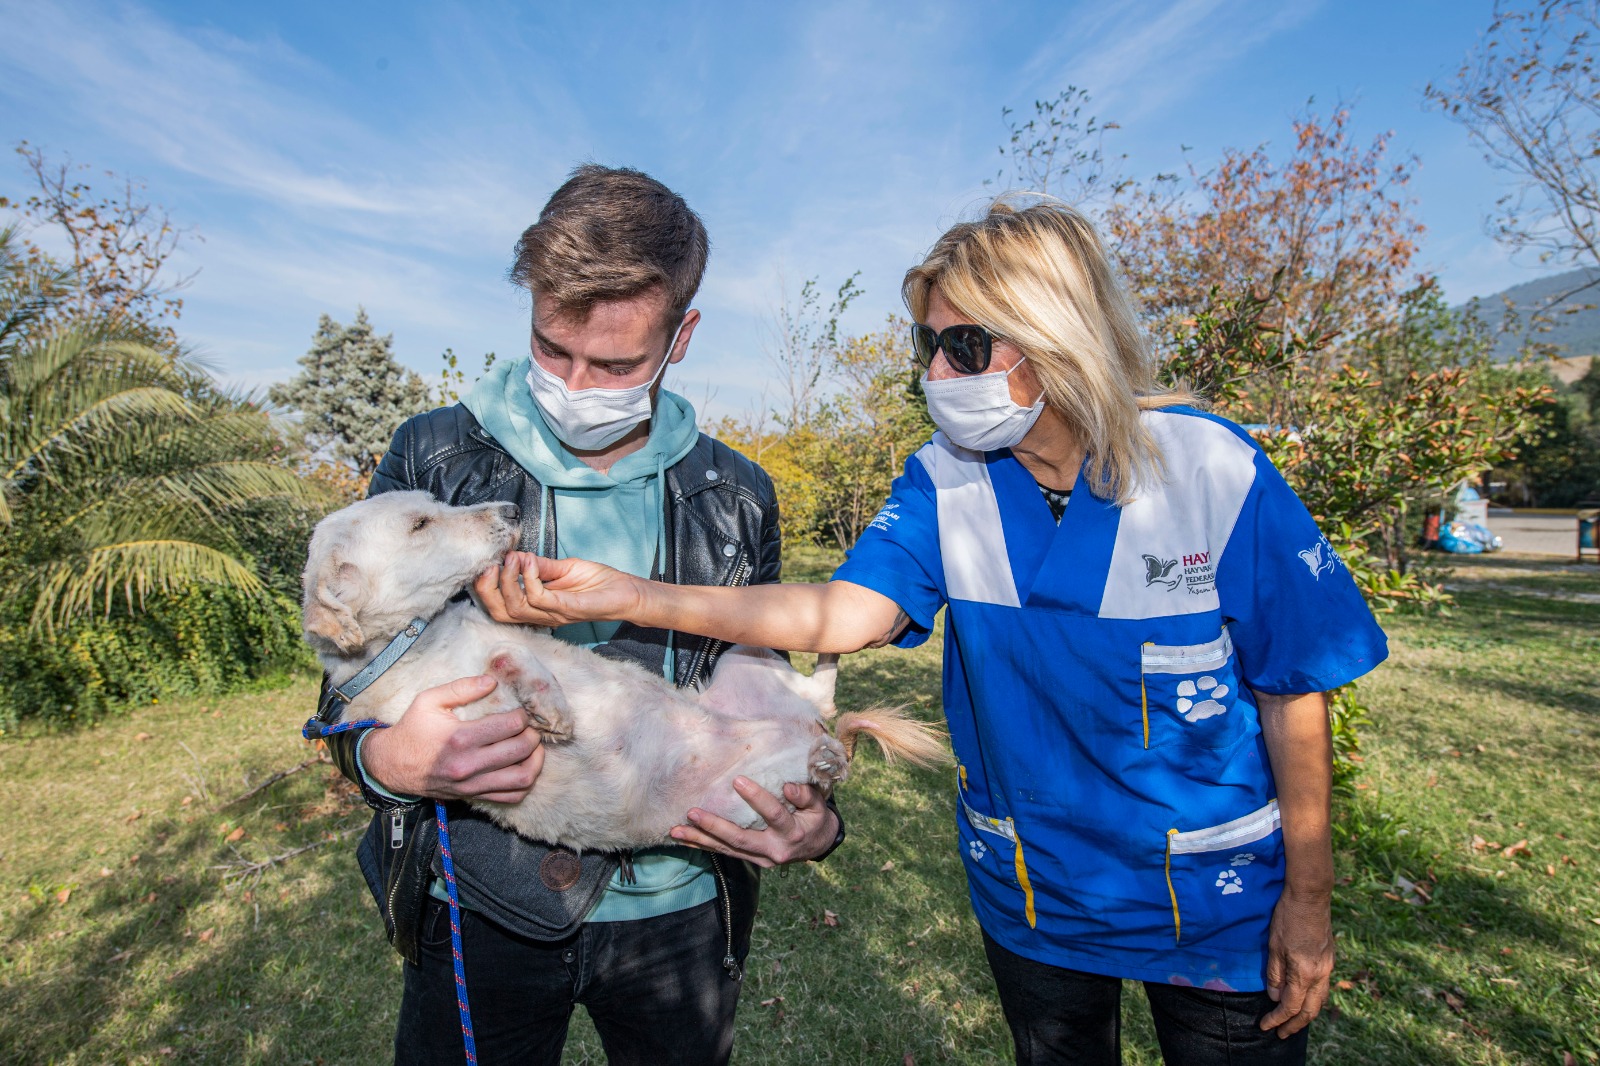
968 347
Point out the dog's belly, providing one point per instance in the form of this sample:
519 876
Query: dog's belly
639 754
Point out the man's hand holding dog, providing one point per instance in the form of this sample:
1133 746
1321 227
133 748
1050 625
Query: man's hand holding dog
430 752
790 836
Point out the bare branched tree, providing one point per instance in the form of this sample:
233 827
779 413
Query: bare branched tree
1529 97
119 244
1059 151
806 337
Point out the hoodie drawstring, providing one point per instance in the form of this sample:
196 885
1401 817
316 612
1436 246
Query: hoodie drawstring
669 662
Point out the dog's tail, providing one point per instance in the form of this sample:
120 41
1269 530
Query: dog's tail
898 735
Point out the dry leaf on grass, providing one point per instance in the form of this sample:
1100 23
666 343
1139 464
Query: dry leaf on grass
134 817
121 956
235 836
142 736
64 895
830 919
886 867
1519 848
205 937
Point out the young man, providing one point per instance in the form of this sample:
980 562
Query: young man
606 465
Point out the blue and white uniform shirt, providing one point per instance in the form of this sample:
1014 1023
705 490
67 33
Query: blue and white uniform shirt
1117 812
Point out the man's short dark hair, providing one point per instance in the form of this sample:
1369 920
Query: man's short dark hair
612 233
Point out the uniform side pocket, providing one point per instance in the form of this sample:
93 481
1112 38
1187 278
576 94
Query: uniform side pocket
999 837
1223 879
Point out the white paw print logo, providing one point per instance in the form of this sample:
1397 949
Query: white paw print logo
976 849
1244 858
1207 692
1230 882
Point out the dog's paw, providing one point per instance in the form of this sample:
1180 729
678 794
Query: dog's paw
547 710
827 762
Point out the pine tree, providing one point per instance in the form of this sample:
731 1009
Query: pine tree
351 394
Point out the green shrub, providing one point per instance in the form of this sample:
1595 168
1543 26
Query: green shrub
201 641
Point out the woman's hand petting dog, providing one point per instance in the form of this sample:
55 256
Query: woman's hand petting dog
430 752
588 592
791 836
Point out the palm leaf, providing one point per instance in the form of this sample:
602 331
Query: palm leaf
74 586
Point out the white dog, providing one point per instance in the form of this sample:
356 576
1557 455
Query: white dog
627 753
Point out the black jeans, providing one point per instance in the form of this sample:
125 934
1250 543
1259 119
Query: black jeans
1066 1016
654 988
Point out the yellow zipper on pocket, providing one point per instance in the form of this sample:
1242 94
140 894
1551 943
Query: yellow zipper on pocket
1022 877
1177 923
1144 697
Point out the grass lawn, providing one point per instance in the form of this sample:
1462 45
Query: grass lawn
127 934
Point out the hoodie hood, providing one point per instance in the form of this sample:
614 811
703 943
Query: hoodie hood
618 517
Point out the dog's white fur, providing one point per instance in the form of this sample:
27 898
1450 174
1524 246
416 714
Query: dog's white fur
627 754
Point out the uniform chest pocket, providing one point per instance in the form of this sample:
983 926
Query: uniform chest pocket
1189 693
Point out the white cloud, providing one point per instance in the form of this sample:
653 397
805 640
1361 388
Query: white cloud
1135 58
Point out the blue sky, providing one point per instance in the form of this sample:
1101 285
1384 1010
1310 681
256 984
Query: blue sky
387 155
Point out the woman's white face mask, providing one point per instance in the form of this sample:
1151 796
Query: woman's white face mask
976 411
590 419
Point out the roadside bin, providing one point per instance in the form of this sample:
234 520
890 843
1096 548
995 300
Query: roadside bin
1588 519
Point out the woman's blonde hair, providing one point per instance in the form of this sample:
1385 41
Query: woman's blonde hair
1038 276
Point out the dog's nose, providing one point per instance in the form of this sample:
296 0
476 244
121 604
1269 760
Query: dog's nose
510 512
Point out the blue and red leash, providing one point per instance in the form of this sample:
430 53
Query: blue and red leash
314 729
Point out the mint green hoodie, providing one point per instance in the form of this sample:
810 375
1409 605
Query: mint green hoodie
617 518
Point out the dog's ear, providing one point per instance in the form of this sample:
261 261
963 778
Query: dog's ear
330 609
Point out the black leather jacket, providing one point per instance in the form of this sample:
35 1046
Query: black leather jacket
722 529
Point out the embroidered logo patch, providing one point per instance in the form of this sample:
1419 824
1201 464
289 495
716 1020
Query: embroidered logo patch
885 518
1320 558
1230 882
1199 573
1156 570
1198 700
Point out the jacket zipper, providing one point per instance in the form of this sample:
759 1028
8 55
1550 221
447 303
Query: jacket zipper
709 651
713 648
395 829
729 962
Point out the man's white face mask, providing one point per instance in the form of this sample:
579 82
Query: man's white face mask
591 419
976 411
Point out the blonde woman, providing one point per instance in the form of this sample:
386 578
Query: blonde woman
1142 623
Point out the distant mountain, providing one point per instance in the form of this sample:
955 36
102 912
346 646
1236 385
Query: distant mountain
1577 332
